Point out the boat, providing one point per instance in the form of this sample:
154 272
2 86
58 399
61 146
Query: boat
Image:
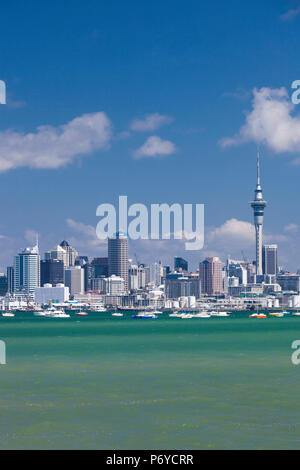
296 314
81 314
142 315
276 314
257 315
52 313
116 314
202 315
219 314
8 314
97 308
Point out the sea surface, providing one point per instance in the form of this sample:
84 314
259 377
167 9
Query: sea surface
103 382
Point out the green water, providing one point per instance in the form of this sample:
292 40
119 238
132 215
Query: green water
105 382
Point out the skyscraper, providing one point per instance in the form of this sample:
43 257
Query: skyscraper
258 206
52 272
269 260
180 264
27 269
118 257
210 273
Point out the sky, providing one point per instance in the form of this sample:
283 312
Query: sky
164 102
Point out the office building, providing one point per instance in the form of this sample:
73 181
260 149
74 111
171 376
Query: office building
289 282
183 286
180 264
118 257
52 272
269 260
71 253
10 279
49 293
210 273
27 270
74 279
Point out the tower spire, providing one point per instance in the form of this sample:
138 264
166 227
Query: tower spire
258 206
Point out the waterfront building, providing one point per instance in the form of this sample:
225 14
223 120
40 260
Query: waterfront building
258 205
182 286
114 285
49 293
52 272
289 282
210 273
27 270
269 260
74 279
118 257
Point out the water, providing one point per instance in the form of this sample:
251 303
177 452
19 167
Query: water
102 382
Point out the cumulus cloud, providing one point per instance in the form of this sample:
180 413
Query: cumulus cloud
155 147
53 147
270 122
232 230
88 236
150 122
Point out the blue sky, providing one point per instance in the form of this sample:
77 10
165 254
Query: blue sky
186 71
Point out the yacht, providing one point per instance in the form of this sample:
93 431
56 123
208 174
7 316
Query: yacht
145 315
97 308
52 313
219 314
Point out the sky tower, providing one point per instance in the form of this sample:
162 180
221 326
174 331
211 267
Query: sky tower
258 206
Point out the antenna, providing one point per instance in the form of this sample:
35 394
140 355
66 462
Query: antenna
258 166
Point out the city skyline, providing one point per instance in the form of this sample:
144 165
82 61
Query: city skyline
173 129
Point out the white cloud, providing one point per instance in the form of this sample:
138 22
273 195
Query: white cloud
53 147
291 228
150 122
88 236
290 14
270 122
154 147
232 230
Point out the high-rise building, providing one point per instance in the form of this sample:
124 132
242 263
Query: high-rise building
180 264
210 273
72 253
156 273
182 286
258 206
269 260
10 279
27 270
3 284
118 257
52 272
100 266
74 279
58 253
